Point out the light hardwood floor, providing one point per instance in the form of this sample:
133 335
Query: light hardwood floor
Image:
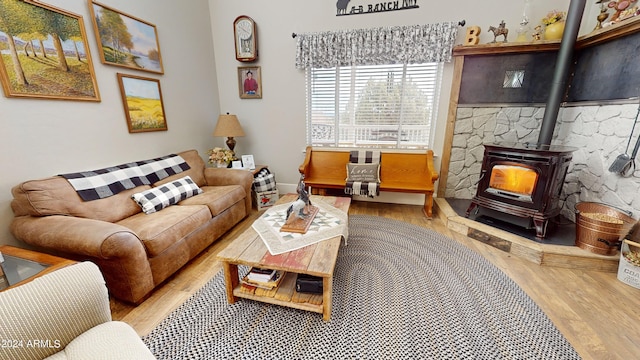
598 314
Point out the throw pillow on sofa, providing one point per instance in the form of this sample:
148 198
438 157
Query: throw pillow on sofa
160 197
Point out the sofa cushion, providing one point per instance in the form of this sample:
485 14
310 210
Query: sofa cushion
171 193
217 198
112 340
55 196
196 172
160 230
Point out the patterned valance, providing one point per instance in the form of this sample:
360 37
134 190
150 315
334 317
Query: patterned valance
385 45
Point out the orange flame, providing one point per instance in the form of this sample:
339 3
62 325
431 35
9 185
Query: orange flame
515 179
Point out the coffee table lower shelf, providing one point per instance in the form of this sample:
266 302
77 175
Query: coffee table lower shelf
284 295
318 259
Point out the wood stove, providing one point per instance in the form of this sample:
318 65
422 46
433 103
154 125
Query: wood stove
523 181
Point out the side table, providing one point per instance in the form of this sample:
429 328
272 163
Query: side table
21 265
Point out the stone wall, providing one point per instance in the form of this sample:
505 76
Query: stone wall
599 132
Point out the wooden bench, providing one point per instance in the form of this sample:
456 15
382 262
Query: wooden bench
399 172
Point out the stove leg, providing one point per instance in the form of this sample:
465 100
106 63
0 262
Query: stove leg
470 208
541 227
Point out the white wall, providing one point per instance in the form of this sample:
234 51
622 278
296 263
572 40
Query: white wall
41 138
275 124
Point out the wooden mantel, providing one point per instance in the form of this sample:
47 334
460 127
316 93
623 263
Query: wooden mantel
596 37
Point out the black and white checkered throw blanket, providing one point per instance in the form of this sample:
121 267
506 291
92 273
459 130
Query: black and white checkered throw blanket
368 188
102 183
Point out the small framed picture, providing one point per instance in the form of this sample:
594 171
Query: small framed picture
247 161
142 100
236 164
250 82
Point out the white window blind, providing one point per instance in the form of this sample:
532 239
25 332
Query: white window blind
373 106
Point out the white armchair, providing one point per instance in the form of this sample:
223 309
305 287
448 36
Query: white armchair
65 315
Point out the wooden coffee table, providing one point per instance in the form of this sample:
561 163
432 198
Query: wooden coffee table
22 265
317 259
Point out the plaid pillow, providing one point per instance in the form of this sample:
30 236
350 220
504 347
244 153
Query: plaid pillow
160 197
264 181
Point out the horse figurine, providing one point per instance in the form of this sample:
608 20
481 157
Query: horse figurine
300 207
500 30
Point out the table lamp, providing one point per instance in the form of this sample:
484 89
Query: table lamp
229 126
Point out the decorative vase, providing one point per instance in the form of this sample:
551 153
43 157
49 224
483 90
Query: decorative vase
554 31
222 164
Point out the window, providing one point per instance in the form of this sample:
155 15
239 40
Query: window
375 106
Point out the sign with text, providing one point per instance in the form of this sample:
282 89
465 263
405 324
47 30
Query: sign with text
342 7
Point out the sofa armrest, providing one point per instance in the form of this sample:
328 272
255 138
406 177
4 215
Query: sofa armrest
74 235
58 306
115 249
217 176
244 178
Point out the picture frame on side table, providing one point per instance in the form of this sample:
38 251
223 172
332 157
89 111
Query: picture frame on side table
142 101
250 82
236 164
248 163
125 40
36 62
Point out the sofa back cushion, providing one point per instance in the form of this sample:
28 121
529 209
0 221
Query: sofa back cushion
196 172
55 196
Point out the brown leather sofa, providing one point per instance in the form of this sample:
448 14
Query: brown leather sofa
135 251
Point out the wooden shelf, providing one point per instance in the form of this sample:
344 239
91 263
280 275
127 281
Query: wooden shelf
284 295
506 48
603 35
609 33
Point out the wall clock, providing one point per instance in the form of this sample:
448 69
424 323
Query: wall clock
245 38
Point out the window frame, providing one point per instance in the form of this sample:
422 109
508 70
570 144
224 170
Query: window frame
334 126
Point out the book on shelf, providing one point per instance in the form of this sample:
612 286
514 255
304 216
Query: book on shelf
271 282
261 275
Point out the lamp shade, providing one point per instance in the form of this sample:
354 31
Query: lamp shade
228 125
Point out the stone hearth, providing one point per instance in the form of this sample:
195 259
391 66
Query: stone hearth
544 254
599 132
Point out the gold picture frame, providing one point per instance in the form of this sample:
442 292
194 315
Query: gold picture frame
249 82
143 105
31 64
125 40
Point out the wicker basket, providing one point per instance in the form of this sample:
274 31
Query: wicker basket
600 236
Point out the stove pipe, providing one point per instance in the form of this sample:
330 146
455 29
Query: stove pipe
561 73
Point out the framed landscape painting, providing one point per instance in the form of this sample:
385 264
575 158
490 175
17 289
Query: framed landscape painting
44 53
142 101
125 40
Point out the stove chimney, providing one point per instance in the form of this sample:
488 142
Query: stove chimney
561 73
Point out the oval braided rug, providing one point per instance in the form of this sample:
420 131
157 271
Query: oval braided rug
400 292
